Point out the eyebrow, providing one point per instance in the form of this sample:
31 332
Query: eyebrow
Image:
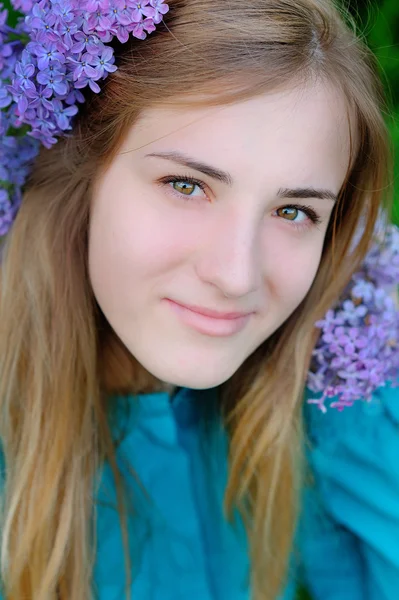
227 179
304 193
197 165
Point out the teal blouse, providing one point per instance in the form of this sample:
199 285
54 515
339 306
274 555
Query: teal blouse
182 547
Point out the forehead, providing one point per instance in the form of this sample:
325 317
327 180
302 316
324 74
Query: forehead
300 129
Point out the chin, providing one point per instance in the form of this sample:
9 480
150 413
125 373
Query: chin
193 377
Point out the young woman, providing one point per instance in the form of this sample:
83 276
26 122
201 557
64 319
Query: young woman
160 285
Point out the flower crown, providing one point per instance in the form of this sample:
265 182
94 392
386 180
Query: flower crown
57 48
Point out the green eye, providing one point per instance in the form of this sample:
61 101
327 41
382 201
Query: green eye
288 213
184 187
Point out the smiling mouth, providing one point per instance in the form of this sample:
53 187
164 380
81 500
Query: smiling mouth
210 322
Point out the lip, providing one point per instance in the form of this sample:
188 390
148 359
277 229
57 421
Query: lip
210 322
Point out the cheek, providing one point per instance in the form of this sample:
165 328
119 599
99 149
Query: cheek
292 289
292 268
131 241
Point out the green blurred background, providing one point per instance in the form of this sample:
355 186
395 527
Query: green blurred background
378 20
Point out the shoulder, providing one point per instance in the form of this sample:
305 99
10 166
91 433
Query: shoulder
366 421
353 456
354 485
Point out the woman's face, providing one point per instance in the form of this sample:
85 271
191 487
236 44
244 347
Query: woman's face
207 228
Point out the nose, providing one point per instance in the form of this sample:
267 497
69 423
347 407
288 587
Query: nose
230 256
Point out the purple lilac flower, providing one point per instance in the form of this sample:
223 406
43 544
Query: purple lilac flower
57 48
5 98
63 113
24 6
103 63
358 348
142 10
160 9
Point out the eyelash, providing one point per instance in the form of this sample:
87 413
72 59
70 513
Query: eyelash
178 179
308 210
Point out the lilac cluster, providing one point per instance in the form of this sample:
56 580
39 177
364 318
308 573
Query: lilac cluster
58 48
358 349
17 150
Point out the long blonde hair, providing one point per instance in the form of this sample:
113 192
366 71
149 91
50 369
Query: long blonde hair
60 360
